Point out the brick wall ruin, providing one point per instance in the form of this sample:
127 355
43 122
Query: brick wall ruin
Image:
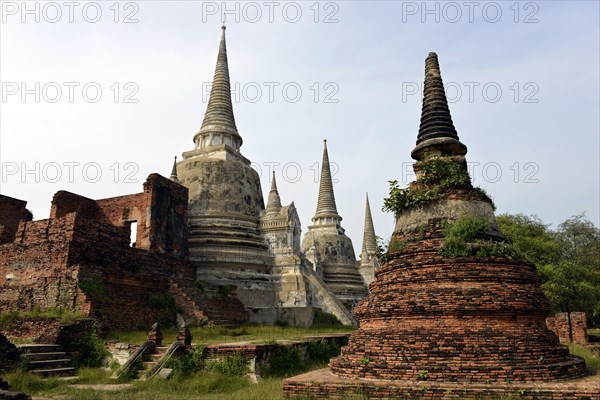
569 327
11 212
81 258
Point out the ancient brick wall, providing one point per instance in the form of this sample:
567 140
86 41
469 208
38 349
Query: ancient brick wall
37 330
11 212
80 259
169 214
64 203
569 327
34 269
122 210
160 212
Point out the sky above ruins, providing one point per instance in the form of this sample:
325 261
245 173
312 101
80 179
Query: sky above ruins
98 95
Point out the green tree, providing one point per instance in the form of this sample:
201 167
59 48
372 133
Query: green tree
567 259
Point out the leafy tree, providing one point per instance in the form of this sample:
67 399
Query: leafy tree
568 259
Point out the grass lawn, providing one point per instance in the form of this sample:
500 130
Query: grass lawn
250 332
205 384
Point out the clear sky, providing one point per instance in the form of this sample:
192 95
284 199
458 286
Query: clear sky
98 95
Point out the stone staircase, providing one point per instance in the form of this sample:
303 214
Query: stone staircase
47 360
159 352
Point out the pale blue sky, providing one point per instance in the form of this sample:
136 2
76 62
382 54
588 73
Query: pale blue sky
541 133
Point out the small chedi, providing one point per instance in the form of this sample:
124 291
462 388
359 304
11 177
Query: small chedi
452 303
369 261
327 246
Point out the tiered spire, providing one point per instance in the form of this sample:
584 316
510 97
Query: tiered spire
274 201
173 176
369 239
326 207
436 132
219 111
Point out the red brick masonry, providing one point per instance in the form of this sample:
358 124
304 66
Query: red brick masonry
569 327
80 259
323 384
454 319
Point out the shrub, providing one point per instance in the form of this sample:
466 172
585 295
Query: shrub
92 350
396 244
231 365
284 360
92 287
438 177
322 350
462 239
133 372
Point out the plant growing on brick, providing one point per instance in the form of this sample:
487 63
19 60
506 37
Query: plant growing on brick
463 238
438 177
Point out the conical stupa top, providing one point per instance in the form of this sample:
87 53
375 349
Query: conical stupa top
326 203
219 112
274 201
436 132
369 239
174 171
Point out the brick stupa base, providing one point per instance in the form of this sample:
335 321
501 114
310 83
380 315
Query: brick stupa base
323 384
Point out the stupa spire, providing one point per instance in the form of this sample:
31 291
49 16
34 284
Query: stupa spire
274 201
173 176
437 134
219 118
369 239
326 207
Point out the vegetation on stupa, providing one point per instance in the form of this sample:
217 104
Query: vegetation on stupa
465 237
438 178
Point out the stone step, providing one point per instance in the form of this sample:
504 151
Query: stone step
66 371
49 364
46 356
47 360
39 348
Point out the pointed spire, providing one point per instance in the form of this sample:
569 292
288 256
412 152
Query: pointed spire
436 132
219 111
274 202
369 238
174 177
326 207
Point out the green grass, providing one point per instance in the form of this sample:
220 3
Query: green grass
250 333
205 384
7 317
592 361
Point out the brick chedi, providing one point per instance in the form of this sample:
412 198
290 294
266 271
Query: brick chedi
225 203
469 318
453 312
327 246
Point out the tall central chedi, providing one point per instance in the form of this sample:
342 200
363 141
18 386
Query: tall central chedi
225 204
